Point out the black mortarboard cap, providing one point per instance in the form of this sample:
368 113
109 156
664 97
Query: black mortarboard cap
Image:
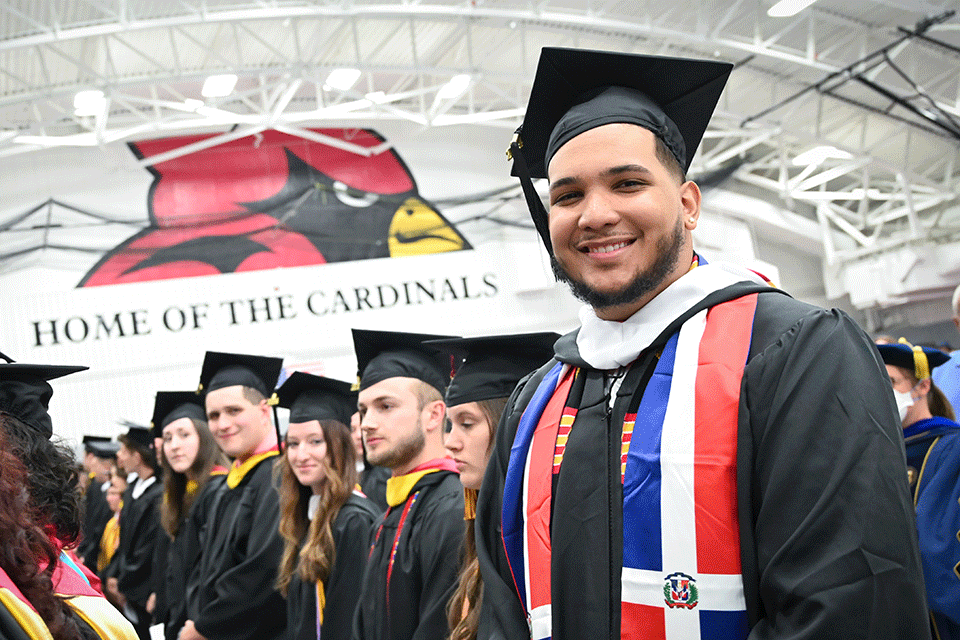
492 365
230 369
576 90
920 360
390 354
105 449
25 393
311 397
100 446
173 405
140 435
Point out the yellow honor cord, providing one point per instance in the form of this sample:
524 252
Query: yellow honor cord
321 602
469 504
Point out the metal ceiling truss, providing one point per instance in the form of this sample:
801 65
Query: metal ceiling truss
889 98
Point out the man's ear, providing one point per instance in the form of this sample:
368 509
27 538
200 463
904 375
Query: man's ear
435 411
690 198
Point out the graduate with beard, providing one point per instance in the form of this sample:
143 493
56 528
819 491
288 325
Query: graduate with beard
412 566
705 457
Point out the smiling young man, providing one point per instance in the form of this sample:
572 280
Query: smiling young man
412 568
236 598
705 457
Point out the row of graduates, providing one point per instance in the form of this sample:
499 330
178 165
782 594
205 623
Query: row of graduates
211 552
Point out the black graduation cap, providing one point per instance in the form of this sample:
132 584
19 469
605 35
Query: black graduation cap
230 369
920 360
25 393
105 450
311 397
576 90
391 354
173 405
139 435
100 446
493 365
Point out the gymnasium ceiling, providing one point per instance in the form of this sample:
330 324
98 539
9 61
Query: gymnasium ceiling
876 81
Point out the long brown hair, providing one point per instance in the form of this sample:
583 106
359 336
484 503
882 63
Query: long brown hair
470 588
176 499
313 562
23 542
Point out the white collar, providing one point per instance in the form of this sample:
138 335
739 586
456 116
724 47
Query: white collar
142 486
606 344
312 506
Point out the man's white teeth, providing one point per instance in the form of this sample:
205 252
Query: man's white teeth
610 247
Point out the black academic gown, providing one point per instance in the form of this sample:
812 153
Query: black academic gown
181 573
351 539
139 530
373 483
827 545
236 597
95 517
424 574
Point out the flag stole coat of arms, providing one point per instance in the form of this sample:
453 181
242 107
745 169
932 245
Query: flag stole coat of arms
681 575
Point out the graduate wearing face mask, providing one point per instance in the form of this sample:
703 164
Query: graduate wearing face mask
932 439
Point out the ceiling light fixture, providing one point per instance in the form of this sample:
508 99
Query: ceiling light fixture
88 103
787 8
219 86
342 79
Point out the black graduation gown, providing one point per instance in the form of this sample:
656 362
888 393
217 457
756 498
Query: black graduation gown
424 574
139 530
373 483
827 545
183 559
351 539
236 597
95 517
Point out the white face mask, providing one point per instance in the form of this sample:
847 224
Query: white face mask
904 401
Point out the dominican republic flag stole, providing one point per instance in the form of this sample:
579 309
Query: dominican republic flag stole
681 576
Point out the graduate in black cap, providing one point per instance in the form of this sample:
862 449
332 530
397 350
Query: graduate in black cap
325 521
411 571
490 369
99 455
44 591
237 598
194 468
932 438
694 461
139 527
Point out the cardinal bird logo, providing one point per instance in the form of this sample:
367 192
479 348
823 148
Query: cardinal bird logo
275 201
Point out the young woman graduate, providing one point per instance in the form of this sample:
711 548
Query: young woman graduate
475 398
43 590
325 522
193 469
932 439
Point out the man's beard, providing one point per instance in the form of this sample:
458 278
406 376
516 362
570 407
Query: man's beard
668 257
403 452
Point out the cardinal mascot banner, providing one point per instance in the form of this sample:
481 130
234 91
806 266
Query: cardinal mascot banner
269 245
